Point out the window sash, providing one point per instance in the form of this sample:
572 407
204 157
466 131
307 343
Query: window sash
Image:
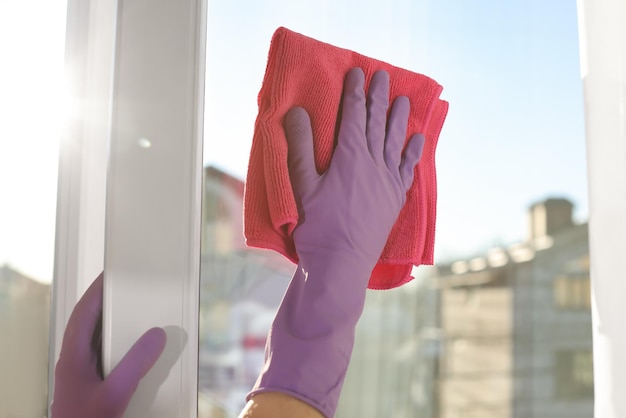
95 61
602 32
80 216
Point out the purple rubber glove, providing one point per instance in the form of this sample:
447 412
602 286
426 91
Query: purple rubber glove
346 215
79 391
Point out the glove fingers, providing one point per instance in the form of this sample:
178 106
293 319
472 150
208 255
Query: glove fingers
396 132
121 384
353 114
412 155
377 105
81 326
301 157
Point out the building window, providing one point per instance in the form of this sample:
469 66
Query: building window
572 292
574 374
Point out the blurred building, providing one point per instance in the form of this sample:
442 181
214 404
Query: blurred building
515 325
505 334
241 289
24 322
394 362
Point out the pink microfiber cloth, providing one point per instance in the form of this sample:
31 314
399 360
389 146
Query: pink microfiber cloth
302 71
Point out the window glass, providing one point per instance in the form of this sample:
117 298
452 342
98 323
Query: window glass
465 338
572 292
31 104
574 374
475 335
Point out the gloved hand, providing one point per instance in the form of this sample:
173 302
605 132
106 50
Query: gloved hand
346 215
79 391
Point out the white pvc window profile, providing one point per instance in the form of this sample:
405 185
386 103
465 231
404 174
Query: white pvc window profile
153 199
136 78
602 31
79 242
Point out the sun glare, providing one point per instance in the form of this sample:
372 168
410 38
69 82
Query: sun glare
33 108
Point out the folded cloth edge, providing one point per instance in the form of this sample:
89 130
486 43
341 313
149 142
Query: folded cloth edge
285 219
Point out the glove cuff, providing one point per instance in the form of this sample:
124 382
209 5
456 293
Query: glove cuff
311 339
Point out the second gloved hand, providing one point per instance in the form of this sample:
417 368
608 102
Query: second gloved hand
346 215
79 391
348 211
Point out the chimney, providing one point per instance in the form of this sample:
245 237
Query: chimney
549 217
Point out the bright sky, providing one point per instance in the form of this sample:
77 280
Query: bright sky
510 70
31 108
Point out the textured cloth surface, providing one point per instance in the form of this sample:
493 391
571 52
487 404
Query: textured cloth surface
302 71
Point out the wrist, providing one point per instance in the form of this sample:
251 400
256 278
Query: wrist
334 265
311 339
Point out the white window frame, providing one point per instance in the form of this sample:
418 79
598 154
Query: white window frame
602 31
109 47
79 245
90 51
